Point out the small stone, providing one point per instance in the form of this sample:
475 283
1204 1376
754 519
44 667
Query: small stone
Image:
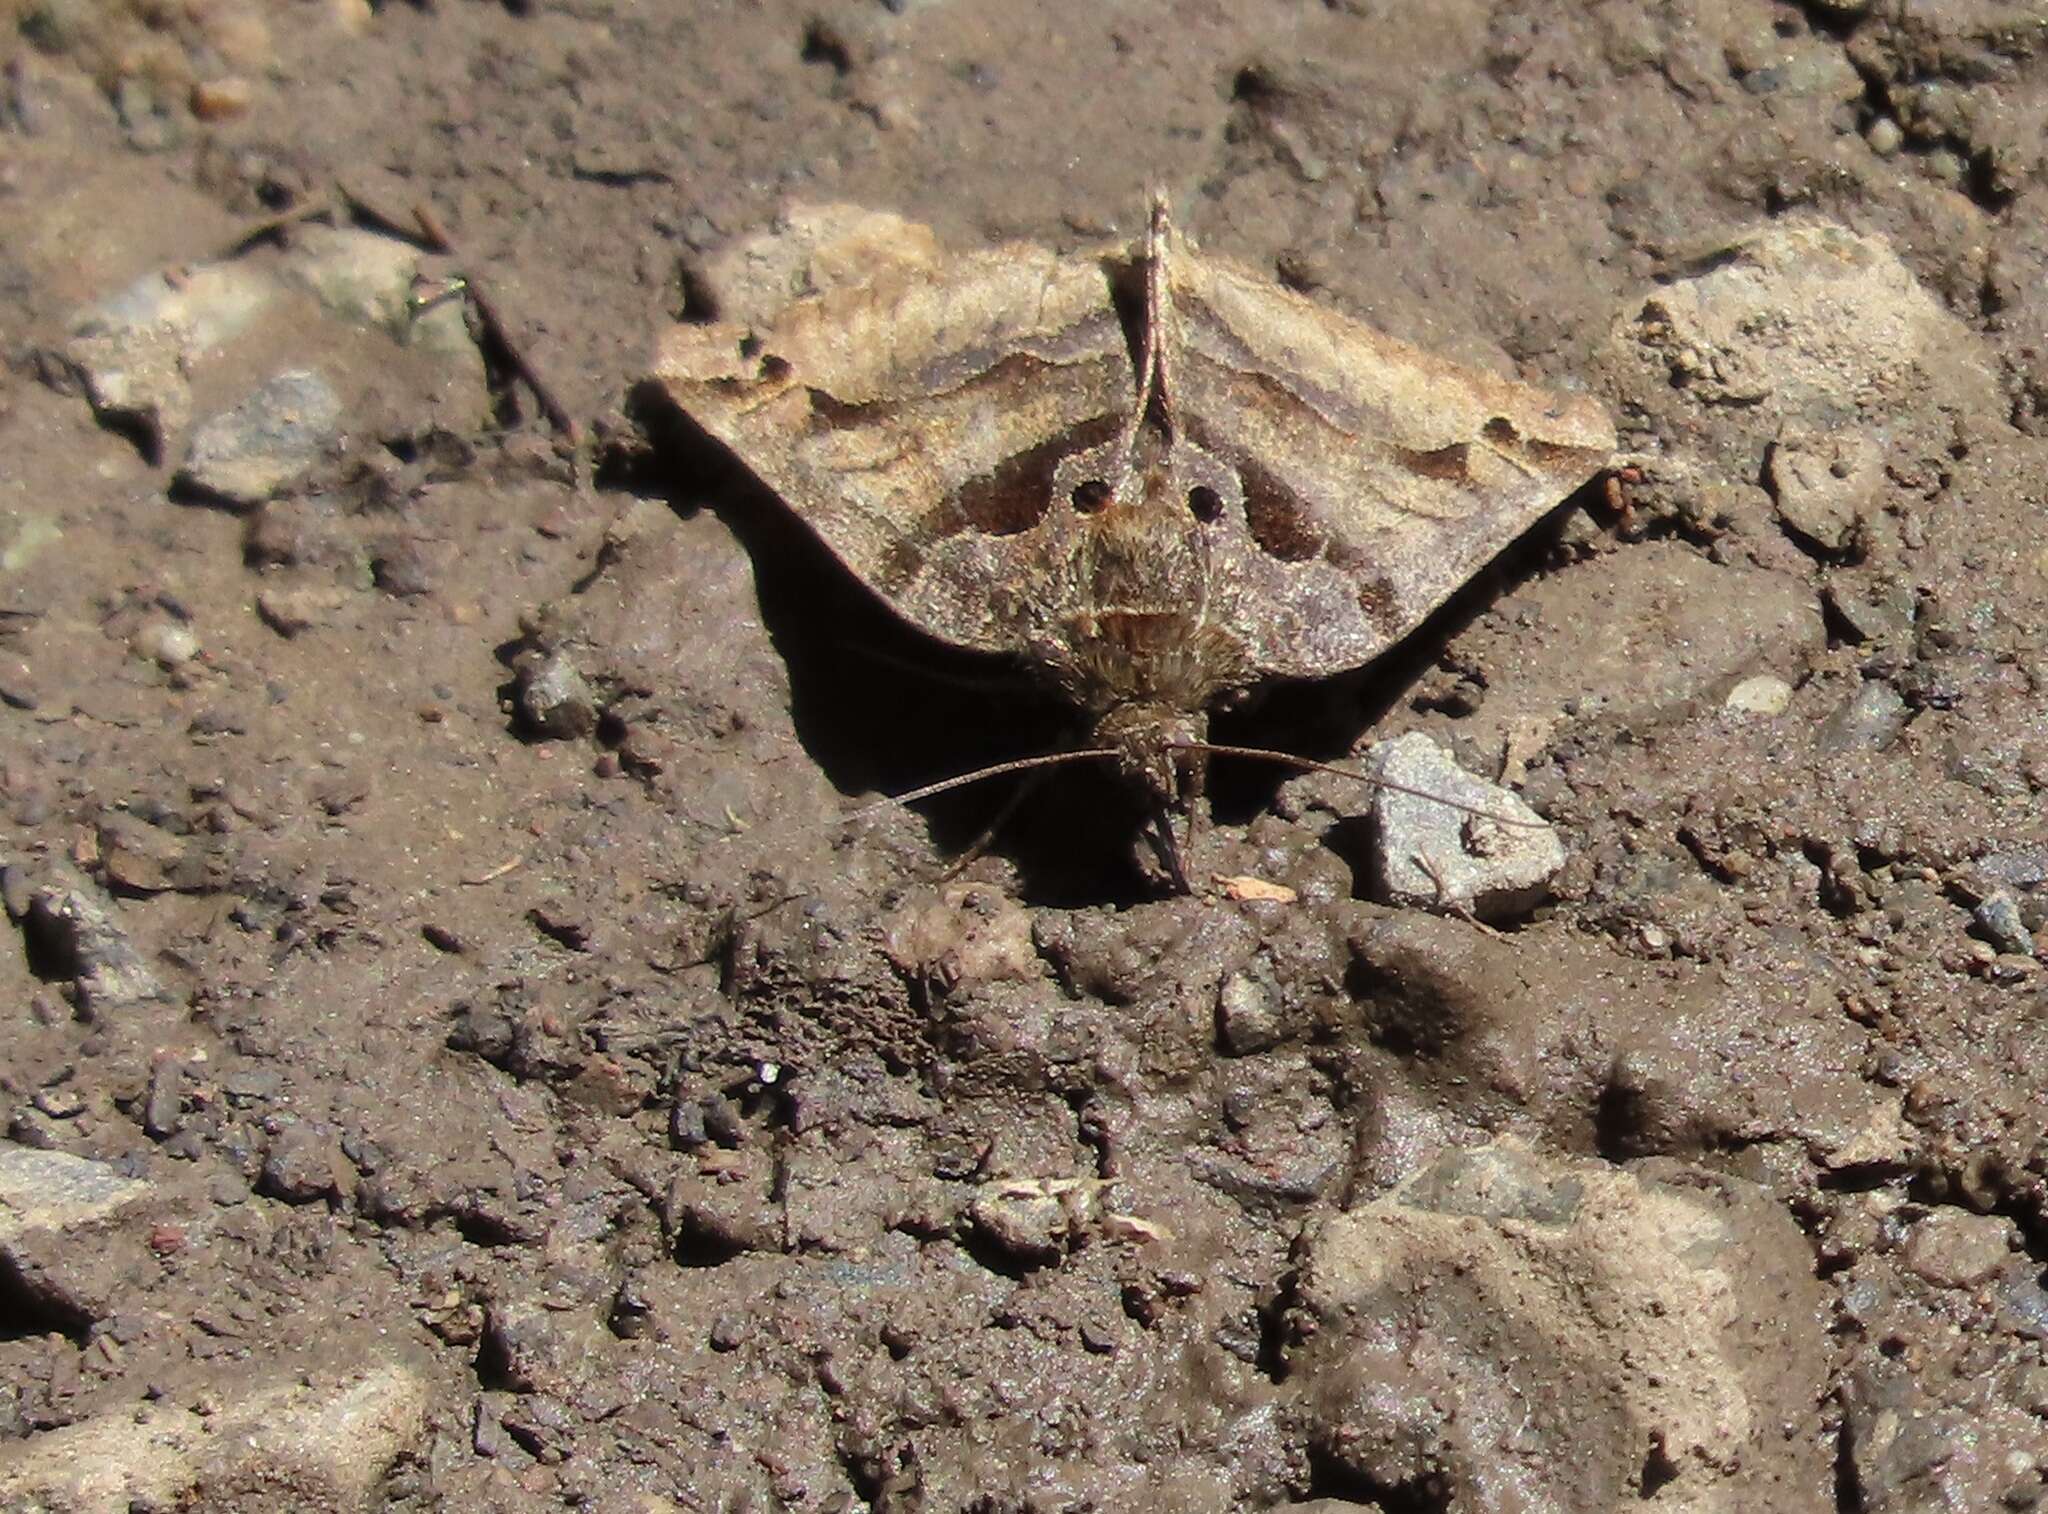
1884 617
17 890
292 611
1998 916
60 1103
163 1107
1824 483
1247 1014
1884 135
79 931
1023 1219
728 1333
1440 839
167 643
253 451
138 858
1953 1248
555 699
133 350
1761 695
407 567
1867 721
219 99
304 1163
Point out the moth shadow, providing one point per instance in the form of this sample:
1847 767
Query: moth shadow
885 709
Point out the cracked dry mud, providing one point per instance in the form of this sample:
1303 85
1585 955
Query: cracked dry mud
454 1059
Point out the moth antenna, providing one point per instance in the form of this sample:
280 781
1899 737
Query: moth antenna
961 780
1309 765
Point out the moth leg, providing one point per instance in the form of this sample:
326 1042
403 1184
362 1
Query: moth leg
978 848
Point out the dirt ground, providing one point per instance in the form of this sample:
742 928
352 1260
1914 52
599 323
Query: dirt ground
454 1058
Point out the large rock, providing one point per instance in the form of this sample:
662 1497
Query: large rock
1518 1332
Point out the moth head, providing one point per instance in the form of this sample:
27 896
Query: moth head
1152 743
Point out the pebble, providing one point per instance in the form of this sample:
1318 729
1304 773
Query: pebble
168 643
1998 917
1885 616
1823 483
1953 1248
1023 1220
1247 1014
1761 695
249 453
292 611
71 921
1427 852
555 699
304 1163
219 99
1869 720
133 349
1883 134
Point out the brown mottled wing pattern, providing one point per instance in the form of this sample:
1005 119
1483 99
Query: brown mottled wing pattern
914 419
1377 478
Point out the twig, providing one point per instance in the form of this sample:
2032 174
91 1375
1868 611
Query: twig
495 329
284 220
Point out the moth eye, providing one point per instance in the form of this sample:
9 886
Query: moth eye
1090 495
1206 503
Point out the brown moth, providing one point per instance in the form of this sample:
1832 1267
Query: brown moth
1155 476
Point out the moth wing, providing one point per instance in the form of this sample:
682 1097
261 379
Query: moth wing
913 419
1377 477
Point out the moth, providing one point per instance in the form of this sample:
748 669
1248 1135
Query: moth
1154 476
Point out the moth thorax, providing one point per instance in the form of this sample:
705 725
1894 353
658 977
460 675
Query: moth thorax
1151 743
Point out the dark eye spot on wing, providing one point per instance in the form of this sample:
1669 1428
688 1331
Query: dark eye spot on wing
1090 495
1015 495
1281 521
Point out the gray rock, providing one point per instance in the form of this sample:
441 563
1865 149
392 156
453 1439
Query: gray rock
48 1190
1458 855
1655 1305
357 276
79 930
1869 720
253 451
1998 917
133 351
1881 617
64 1256
555 700
327 1439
